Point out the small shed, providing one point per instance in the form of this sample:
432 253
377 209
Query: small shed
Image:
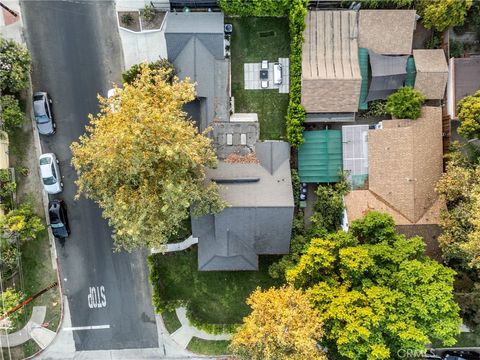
432 72
320 156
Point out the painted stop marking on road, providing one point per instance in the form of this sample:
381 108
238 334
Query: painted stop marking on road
96 297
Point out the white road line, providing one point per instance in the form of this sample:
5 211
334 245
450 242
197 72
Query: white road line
94 327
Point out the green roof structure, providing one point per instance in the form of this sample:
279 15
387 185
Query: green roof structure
320 156
411 72
363 62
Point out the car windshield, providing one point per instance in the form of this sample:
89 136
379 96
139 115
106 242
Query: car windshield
43 119
57 225
45 161
49 180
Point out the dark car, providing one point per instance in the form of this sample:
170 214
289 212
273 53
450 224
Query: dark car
461 355
57 213
42 109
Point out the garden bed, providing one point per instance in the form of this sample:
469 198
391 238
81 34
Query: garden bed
129 20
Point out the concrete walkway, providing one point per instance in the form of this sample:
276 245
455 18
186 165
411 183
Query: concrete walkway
186 332
32 330
185 244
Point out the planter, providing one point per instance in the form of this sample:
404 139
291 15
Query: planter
129 20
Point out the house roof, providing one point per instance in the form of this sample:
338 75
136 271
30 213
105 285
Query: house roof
388 32
320 156
195 46
330 72
432 72
259 217
405 161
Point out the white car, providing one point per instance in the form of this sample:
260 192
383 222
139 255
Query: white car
50 173
111 93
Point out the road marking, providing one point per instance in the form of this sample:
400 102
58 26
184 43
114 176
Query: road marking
96 297
94 327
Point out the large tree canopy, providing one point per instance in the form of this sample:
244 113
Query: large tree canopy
442 14
377 294
468 110
144 163
282 325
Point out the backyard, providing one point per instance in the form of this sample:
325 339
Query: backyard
255 39
211 297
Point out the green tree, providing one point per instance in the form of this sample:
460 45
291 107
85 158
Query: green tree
282 326
20 225
443 14
377 296
15 64
9 299
133 73
468 110
147 178
11 113
405 103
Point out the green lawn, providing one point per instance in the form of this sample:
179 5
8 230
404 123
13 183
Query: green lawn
255 39
212 297
171 321
208 347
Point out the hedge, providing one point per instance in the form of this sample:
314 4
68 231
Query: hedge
296 11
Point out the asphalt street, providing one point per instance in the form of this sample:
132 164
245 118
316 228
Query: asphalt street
76 55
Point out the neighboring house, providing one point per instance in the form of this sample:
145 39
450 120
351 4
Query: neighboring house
405 161
195 46
463 80
259 217
432 73
330 71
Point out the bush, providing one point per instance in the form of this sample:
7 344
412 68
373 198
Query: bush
20 225
148 13
127 19
405 103
376 108
10 258
468 110
456 49
15 65
255 7
131 74
12 115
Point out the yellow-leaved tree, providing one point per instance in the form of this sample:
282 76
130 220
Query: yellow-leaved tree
144 162
282 326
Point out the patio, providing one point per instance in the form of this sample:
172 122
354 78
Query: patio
251 72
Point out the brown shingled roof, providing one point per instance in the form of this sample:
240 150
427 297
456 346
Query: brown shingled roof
330 72
387 32
405 163
432 72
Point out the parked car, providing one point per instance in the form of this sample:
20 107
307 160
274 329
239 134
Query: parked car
112 93
42 109
50 173
277 73
57 212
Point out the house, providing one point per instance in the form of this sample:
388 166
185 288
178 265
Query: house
330 70
405 161
432 72
463 80
259 217
253 177
195 46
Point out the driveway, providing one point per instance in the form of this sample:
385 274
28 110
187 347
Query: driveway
76 55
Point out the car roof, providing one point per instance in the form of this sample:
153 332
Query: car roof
38 106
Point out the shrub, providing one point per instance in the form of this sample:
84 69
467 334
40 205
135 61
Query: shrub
376 108
127 19
148 13
12 116
468 110
20 225
405 103
456 49
15 64
131 74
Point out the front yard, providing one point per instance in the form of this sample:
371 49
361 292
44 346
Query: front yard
211 297
253 40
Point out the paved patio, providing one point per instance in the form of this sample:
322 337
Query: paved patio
251 73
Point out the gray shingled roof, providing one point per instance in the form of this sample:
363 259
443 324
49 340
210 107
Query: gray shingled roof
259 217
195 46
